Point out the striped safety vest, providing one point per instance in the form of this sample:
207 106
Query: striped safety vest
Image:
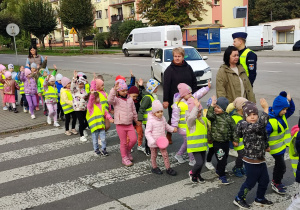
51 93
208 126
145 116
243 60
66 107
96 120
1 85
294 156
197 141
103 100
21 85
237 119
41 80
279 141
183 108
87 88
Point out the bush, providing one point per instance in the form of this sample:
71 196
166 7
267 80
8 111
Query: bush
104 40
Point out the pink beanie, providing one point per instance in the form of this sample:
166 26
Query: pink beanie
184 89
239 102
122 85
156 106
2 67
99 83
7 74
65 81
27 72
52 78
191 104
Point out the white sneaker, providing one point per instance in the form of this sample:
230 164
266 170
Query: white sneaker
85 133
141 148
24 109
179 158
83 138
49 120
209 166
33 116
233 153
56 124
159 153
192 162
5 108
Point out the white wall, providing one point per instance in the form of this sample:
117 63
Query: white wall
285 47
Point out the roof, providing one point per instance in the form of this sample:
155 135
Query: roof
284 28
203 26
171 47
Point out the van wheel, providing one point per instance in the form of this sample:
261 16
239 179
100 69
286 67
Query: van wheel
152 74
126 53
152 53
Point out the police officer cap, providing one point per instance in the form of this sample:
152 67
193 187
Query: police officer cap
240 35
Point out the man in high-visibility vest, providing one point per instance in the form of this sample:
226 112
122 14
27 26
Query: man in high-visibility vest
248 59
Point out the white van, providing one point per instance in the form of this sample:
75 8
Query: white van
259 37
146 40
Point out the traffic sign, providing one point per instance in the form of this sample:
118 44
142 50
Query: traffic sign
73 31
12 29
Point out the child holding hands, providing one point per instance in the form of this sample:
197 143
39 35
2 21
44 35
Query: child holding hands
9 86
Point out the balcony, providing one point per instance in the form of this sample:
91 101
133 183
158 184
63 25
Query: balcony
115 18
116 3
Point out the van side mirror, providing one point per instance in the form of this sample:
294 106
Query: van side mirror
204 57
157 60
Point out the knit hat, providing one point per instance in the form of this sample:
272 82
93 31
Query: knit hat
239 102
10 66
81 79
59 77
27 72
2 67
133 90
7 74
80 74
152 84
122 84
120 77
33 65
42 71
65 81
222 102
248 108
191 104
184 89
157 106
280 102
52 78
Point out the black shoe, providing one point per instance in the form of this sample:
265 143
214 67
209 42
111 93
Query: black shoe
193 178
104 152
147 151
263 202
171 172
241 203
15 110
98 152
45 113
156 171
201 180
10 109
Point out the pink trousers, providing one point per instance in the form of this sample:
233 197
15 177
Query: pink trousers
124 131
164 154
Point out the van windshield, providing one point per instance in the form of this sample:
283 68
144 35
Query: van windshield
191 54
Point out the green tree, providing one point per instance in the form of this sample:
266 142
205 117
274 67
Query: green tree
172 12
78 14
114 31
104 40
126 27
38 18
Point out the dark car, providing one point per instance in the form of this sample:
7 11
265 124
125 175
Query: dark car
296 46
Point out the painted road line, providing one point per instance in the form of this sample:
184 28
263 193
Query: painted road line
272 62
129 64
274 71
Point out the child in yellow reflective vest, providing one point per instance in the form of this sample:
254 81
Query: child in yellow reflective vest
2 70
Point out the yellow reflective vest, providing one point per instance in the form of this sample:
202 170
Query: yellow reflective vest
294 156
21 85
87 88
238 118
51 93
279 141
197 141
183 108
1 85
66 107
145 116
41 80
103 100
243 60
96 120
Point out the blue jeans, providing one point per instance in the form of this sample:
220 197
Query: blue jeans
255 173
95 135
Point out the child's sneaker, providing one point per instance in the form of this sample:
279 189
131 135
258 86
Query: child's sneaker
55 124
209 166
179 158
223 180
147 151
15 110
126 162
37 108
33 116
49 120
68 133
237 172
156 171
5 108
263 202
233 153
85 133
104 152
243 170
83 139
159 153
171 172
98 152
129 156
200 179
141 148
192 162
193 178
241 203
278 188
24 109
9 108
73 131
45 113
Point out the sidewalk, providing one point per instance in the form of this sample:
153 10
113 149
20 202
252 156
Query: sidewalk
264 53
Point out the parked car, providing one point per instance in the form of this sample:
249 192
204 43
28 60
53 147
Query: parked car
296 46
163 58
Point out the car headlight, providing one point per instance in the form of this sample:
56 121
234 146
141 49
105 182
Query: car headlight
207 70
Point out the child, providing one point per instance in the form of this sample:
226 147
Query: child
30 89
222 131
66 101
279 136
211 152
253 131
23 101
51 96
87 85
156 127
132 79
237 115
146 105
96 113
13 76
9 86
178 115
123 115
2 71
196 133
80 97
36 75
60 113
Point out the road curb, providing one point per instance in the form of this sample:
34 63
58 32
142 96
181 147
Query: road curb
15 130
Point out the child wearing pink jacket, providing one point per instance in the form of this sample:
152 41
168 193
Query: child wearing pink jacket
124 114
156 127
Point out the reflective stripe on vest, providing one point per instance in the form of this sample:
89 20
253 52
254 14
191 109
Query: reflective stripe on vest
237 119
277 141
145 116
96 120
243 60
103 100
197 141
22 88
87 88
41 79
183 108
51 93
294 158
1 85
66 107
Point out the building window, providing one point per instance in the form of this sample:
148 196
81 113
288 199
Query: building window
106 13
217 21
97 0
216 2
100 29
66 32
107 28
99 14
120 12
285 37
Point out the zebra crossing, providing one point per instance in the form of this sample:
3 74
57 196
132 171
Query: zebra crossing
45 169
